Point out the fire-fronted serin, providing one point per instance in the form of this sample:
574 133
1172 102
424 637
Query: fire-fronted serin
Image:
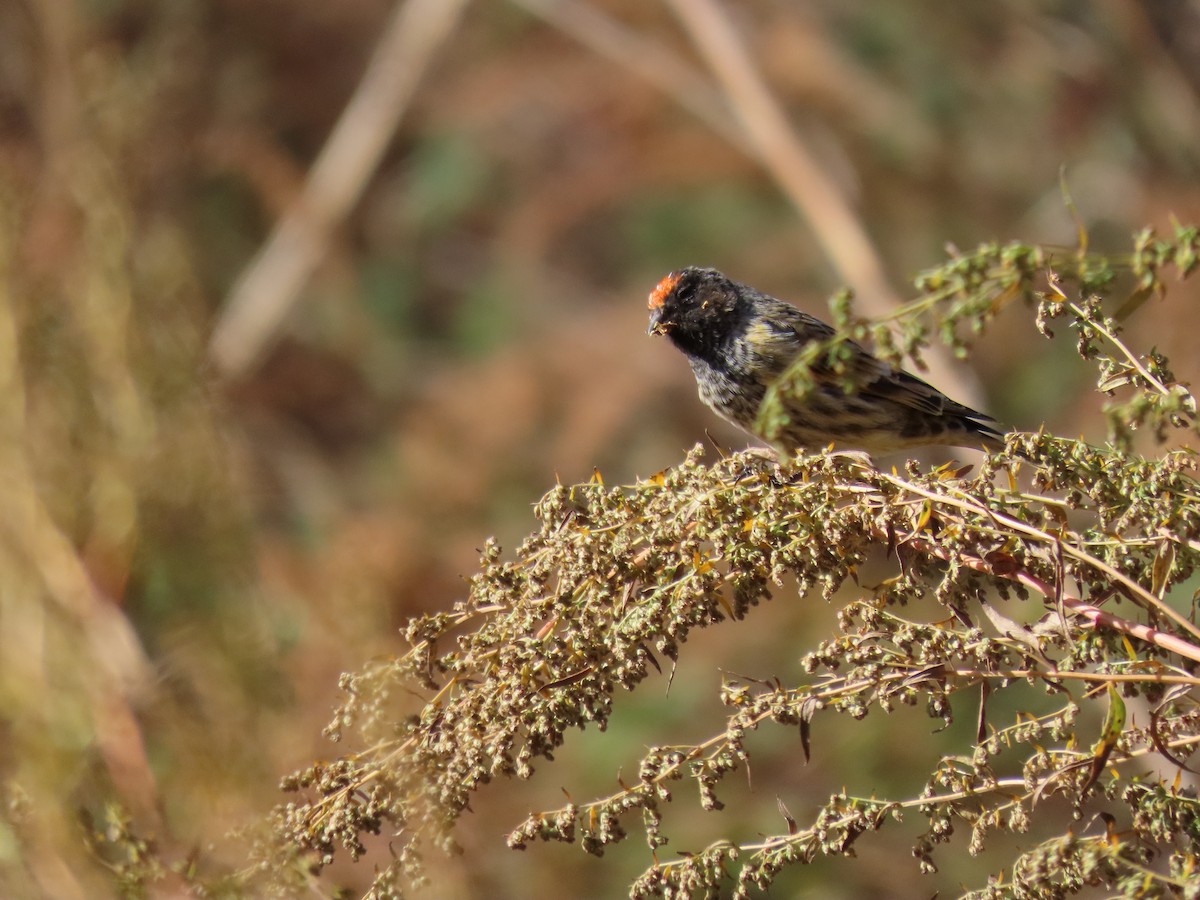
740 341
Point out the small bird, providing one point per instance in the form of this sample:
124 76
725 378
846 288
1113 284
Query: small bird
740 341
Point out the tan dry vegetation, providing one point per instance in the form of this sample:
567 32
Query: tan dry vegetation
191 553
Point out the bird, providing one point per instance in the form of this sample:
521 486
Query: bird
740 341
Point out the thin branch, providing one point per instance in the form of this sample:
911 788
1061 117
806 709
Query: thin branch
834 223
1120 345
1068 675
1055 284
270 285
1098 617
1139 593
646 57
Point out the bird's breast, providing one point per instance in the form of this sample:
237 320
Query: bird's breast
735 396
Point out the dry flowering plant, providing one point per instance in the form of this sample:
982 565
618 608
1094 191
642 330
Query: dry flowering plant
1099 541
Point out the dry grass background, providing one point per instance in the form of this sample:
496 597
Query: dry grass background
229 472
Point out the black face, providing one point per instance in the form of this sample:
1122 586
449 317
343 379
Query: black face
698 309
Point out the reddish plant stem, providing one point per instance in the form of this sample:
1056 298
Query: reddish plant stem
1097 617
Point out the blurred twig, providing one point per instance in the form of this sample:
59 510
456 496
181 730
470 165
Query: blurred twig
269 286
834 224
747 116
38 556
646 57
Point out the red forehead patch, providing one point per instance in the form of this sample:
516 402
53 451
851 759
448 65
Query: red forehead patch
659 295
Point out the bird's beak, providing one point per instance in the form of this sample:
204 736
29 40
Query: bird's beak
656 303
658 324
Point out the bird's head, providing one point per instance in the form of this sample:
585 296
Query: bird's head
698 309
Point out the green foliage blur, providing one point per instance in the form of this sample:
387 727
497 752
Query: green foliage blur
188 562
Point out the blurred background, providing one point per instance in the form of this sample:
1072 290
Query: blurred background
300 301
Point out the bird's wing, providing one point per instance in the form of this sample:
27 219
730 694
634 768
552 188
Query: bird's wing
781 333
876 379
885 382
